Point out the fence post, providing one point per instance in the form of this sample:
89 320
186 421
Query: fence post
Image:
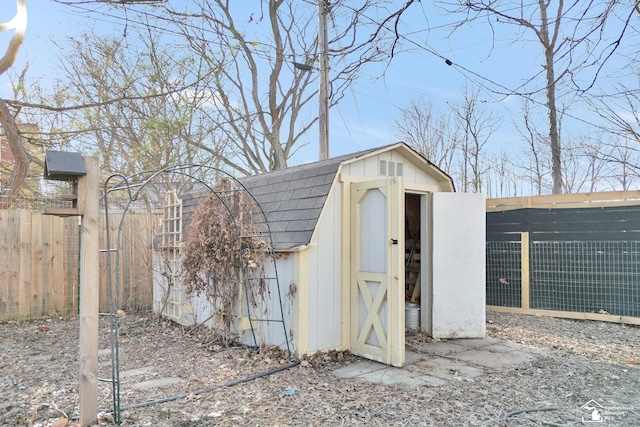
89 208
524 270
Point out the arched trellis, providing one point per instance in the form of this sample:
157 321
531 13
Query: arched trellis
143 180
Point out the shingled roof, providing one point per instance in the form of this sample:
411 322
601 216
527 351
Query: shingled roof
292 198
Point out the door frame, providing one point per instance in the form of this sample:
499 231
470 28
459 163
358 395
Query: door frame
395 267
426 192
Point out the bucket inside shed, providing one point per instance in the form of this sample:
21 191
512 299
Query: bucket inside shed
411 315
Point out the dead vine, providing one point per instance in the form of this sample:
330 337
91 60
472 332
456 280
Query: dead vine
223 246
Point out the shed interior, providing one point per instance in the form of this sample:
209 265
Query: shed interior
413 260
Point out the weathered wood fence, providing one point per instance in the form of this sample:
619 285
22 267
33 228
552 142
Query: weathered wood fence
574 256
39 263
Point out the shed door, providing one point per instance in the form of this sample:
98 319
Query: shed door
377 282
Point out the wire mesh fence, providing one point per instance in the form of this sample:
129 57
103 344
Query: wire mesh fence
591 277
601 277
504 265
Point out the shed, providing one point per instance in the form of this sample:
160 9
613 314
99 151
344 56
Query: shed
360 237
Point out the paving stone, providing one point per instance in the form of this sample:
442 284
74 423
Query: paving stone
137 371
431 380
160 382
444 363
42 358
476 342
504 347
411 357
398 377
104 352
440 362
446 369
495 360
359 368
441 348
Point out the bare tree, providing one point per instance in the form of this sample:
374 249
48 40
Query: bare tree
436 136
478 125
621 151
11 131
621 112
594 152
502 179
568 34
623 160
158 119
264 56
536 161
451 141
576 171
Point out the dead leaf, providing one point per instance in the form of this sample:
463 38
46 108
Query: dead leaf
59 422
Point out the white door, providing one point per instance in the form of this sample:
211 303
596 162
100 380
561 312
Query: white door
458 265
377 271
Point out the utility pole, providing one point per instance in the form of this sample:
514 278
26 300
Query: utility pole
323 45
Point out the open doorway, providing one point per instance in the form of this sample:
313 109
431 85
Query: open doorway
413 259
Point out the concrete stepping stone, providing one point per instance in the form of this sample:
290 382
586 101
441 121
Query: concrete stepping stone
476 343
137 371
441 348
104 352
160 382
41 358
440 362
357 369
495 360
401 377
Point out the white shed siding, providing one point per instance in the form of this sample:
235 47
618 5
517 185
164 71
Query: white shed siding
416 175
325 277
325 253
370 167
272 332
201 308
197 308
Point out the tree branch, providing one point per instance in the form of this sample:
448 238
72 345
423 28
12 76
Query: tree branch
22 159
19 23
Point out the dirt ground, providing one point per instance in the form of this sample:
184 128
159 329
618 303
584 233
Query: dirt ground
582 363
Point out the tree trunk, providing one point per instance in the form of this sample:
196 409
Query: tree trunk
554 136
21 158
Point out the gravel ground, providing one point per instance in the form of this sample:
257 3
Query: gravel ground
580 362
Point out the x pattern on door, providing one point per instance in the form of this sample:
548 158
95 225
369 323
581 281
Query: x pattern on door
372 331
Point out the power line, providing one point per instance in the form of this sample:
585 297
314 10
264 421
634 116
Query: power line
486 83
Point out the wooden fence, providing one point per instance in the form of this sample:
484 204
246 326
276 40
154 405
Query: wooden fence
559 201
39 263
574 256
